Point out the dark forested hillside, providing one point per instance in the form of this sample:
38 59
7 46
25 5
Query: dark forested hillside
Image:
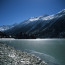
50 26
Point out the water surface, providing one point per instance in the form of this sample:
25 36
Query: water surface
52 47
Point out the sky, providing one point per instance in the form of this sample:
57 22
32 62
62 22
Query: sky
16 11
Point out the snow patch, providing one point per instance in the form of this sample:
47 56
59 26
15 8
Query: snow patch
34 19
63 11
48 17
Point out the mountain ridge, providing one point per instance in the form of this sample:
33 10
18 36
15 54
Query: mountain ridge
41 27
6 27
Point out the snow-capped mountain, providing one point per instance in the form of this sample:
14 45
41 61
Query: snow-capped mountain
43 26
6 27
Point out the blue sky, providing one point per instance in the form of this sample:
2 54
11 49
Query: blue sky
16 11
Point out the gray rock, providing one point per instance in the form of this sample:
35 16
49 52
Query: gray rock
11 56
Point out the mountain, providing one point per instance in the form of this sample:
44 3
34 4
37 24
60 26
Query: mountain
3 35
46 26
6 27
11 56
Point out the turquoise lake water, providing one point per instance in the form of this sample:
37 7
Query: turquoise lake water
51 47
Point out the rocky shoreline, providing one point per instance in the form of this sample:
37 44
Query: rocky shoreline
11 56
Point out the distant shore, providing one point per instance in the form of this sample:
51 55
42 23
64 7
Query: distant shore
32 39
7 39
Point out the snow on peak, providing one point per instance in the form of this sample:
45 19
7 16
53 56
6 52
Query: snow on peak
62 12
44 17
34 19
6 27
48 17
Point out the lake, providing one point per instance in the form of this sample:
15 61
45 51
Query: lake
50 50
